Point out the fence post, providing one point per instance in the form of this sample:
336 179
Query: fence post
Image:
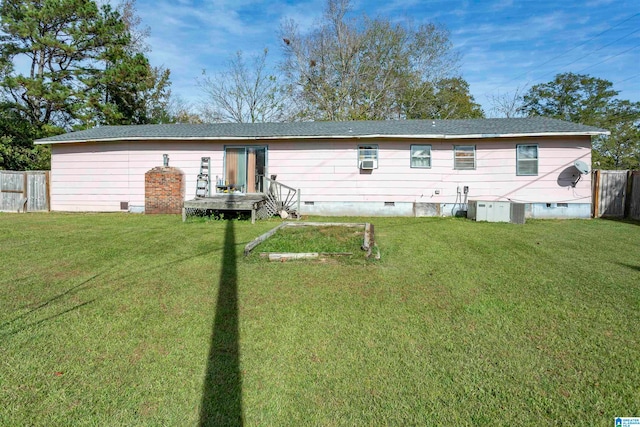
634 211
629 194
47 180
596 194
25 191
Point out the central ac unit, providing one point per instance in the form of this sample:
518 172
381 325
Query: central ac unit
368 164
496 211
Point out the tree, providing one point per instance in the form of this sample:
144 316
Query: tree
591 101
508 104
181 111
620 150
84 66
572 97
17 151
63 41
348 69
133 24
446 99
138 93
243 94
127 90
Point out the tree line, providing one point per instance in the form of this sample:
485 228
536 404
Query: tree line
86 66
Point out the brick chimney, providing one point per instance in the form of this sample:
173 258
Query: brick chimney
164 190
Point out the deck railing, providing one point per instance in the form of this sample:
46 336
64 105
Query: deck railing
281 197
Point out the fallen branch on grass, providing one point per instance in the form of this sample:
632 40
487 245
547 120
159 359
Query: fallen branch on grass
285 256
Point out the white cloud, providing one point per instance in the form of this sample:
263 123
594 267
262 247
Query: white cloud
598 3
501 5
503 42
190 36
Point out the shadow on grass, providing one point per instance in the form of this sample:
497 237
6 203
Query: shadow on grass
71 291
44 304
46 319
63 297
623 220
633 267
222 390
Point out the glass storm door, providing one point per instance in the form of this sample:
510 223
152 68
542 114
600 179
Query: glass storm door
245 167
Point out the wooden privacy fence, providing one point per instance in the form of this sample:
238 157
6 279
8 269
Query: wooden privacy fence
24 191
616 194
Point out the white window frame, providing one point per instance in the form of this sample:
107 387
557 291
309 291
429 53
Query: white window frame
522 160
415 154
368 152
461 158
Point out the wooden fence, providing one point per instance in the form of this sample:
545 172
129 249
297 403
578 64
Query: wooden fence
616 194
24 191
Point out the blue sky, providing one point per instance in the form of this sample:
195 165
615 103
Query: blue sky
505 44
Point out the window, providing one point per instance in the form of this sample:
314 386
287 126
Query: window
464 157
526 160
420 156
368 156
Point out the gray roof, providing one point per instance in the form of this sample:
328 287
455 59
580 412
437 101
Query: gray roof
437 129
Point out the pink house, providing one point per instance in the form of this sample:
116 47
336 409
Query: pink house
382 168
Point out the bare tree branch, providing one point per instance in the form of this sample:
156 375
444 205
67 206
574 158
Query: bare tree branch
350 69
243 94
507 104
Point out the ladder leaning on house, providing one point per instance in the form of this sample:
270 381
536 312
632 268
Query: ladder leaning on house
202 184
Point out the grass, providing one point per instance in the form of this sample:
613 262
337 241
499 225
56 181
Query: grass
329 239
145 320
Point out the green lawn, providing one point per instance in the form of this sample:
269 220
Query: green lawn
323 239
145 320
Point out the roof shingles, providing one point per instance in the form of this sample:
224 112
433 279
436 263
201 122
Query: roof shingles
475 128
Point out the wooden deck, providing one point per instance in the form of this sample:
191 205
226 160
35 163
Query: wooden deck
278 200
227 202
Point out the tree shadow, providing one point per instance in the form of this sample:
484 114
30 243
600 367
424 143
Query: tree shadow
60 298
633 267
70 291
622 220
63 299
222 391
46 319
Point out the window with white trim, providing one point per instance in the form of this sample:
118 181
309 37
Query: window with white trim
527 159
368 156
420 156
464 156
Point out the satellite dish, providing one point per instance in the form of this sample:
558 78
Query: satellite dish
582 167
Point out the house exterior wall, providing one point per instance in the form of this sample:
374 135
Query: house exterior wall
327 172
98 176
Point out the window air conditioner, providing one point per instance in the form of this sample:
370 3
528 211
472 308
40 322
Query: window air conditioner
368 164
